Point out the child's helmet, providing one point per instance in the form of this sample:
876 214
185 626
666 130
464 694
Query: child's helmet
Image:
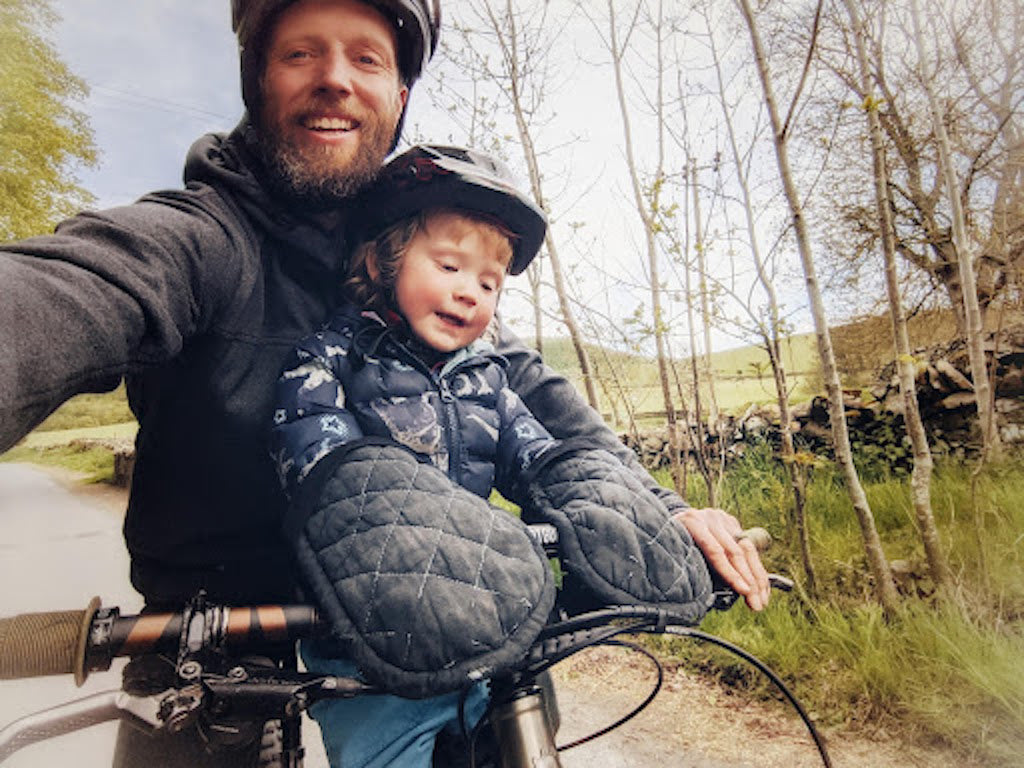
417 24
434 176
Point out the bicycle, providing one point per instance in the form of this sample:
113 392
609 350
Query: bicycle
217 683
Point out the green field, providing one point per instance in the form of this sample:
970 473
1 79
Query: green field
742 376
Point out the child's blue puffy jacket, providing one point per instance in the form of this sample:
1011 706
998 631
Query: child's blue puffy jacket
360 377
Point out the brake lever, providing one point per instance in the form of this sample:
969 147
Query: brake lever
723 597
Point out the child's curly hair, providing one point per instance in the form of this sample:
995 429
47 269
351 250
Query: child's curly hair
386 251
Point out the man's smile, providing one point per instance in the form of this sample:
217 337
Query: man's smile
329 124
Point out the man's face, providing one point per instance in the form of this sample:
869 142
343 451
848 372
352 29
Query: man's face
331 96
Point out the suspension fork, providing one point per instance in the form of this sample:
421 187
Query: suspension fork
524 719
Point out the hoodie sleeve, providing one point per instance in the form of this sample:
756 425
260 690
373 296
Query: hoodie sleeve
558 406
521 441
110 293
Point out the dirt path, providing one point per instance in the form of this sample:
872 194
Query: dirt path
701 722
691 722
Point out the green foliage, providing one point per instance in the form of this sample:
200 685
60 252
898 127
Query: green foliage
946 671
43 138
90 410
931 672
95 462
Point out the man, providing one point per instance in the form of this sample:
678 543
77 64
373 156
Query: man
196 296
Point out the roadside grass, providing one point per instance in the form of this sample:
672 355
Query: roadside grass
63 438
37 439
95 463
90 410
947 672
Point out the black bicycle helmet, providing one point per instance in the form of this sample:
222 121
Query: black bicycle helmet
417 23
434 176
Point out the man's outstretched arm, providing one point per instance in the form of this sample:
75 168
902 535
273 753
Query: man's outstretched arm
564 413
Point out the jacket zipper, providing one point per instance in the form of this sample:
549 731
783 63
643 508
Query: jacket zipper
453 435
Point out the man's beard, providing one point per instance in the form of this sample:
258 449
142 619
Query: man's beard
314 175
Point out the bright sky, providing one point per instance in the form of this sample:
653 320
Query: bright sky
161 73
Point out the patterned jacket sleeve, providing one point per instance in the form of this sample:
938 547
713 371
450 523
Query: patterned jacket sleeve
310 418
521 440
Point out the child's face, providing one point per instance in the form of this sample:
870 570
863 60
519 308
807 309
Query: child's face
449 280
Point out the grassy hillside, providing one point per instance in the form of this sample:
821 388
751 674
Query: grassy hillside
742 376
85 411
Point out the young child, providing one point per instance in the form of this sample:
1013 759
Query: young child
425 583
407 358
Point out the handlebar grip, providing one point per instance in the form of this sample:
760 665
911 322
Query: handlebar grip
51 643
759 537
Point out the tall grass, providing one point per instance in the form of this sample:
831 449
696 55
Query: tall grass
951 671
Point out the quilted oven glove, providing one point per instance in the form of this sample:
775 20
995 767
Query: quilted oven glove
426 586
618 541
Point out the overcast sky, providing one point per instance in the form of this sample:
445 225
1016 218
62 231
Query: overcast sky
161 73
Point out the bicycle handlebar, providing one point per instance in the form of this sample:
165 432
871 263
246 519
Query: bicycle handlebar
83 641
50 643
80 642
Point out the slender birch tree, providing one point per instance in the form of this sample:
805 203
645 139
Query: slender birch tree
647 202
965 262
770 332
885 588
920 481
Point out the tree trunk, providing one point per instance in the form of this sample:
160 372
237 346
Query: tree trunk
705 309
772 344
536 187
972 311
920 480
643 210
885 588
701 443
533 274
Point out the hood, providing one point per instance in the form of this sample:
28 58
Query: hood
226 163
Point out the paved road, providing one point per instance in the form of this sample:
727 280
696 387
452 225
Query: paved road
57 550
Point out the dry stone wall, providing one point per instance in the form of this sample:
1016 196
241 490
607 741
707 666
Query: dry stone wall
945 396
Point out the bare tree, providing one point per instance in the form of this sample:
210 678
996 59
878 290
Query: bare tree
885 588
972 311
698 371
920 482
978 57
522 35
647 201
770 332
